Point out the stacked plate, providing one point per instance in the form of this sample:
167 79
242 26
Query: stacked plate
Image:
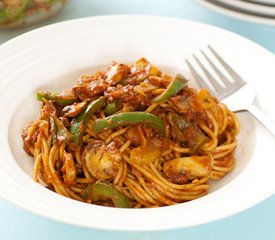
261 11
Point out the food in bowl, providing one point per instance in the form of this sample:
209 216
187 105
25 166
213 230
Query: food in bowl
21 12
131 136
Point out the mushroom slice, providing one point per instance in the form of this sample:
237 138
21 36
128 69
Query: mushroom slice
181 170
101 160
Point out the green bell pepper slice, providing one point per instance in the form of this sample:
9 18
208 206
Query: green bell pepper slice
102 191
113 107
59 99
127 119
81 120
177 84
185 132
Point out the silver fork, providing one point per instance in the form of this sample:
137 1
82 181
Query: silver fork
237 95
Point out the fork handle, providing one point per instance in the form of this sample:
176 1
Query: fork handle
262 118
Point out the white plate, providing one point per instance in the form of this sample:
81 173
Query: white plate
249 11
263 2
52 58
249 7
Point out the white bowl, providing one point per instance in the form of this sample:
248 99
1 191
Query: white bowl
53 57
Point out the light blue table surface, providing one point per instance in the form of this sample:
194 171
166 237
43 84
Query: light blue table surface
255 223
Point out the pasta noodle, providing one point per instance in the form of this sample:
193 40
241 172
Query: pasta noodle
131 136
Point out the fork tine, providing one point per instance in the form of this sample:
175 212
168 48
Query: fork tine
212 80
230 70
197 77
222 77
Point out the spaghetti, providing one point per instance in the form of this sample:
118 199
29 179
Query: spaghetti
131 136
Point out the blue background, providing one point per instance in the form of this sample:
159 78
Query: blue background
255 223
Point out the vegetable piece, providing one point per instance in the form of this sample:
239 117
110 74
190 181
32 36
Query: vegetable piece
185 132
154 71
202 100
187 168
57 128
176 132
140 71
91 108
58 98
81 120
102 191
75 130
129 118
62 133
178 83
44 1
3 16
15 8
197 101
113 107
144 87
101 160
146 154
